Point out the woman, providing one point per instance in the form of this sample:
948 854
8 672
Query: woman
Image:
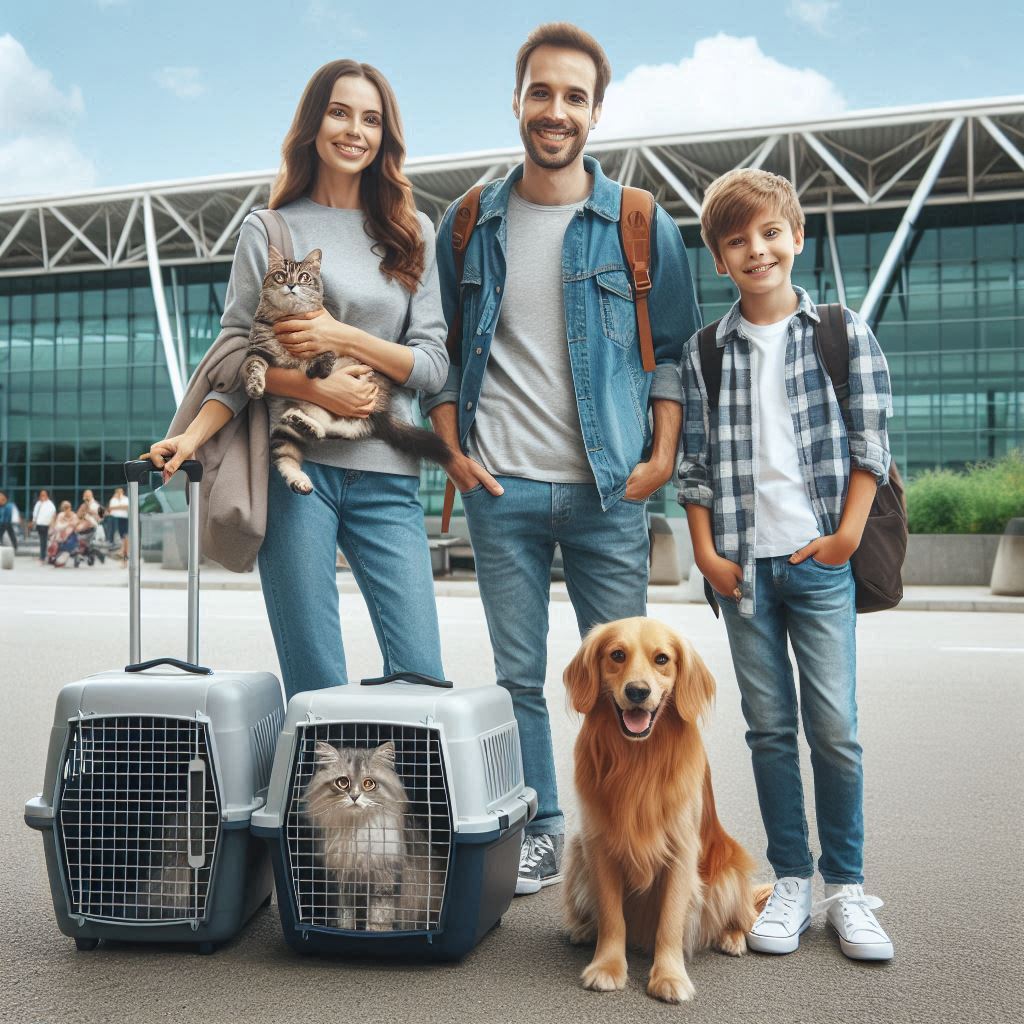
117 517
341 189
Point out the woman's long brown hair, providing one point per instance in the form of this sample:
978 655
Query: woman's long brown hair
384 190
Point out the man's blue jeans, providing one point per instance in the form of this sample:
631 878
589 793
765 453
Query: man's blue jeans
812 606
377 521
605 558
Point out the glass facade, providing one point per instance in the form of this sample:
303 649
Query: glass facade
84 385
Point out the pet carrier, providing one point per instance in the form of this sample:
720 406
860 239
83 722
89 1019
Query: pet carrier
151 777
395 817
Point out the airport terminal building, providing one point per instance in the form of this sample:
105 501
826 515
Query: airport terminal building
109 299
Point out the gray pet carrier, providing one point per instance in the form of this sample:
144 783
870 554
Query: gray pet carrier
426 866
151 777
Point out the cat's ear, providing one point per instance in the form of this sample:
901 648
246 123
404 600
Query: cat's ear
275 258
386 753
313 260
325 753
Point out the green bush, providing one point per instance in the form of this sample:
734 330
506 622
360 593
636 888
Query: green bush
979 500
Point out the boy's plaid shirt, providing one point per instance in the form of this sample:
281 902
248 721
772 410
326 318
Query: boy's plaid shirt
718 466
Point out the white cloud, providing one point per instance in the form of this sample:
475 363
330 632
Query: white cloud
727 83
185 83
37 153
814 14
335 16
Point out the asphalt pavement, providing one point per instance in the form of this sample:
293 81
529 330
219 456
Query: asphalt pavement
941 714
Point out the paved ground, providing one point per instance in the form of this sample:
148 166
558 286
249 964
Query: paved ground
942 713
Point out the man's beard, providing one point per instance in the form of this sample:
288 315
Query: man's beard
557 161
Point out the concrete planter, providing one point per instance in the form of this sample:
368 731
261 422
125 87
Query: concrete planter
950 559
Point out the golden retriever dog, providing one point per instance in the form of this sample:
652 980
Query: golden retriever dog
652 866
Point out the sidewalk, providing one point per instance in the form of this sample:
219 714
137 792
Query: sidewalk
28 572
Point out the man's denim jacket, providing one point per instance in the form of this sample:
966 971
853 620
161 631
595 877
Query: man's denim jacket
612 390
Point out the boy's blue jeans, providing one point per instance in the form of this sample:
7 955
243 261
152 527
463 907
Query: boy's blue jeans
605 557
812 606
377 521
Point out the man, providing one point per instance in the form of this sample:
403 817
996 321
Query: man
548 406
7 521
43 514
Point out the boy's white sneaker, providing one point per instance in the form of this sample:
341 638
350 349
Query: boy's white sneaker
848 910
786 916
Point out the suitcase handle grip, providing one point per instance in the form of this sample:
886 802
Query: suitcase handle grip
137 470
185 666
408 677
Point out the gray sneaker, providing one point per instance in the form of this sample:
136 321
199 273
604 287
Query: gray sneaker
540 862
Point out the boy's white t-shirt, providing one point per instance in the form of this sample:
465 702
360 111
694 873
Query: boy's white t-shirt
784 520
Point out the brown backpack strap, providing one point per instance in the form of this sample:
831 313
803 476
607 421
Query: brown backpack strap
635 224
277 232
462 230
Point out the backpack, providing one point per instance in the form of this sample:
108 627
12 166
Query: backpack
878 561
636 222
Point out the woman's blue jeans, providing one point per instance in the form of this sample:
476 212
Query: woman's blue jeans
377 521
605 558
810 605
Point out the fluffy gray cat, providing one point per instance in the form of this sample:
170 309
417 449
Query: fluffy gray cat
377 853
291 288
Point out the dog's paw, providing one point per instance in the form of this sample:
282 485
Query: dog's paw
606 976
670 986
734 943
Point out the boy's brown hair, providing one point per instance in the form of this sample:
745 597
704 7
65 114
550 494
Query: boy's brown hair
734 199
570 37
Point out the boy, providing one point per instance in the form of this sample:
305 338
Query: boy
777 483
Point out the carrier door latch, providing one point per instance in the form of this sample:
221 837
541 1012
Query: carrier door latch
195 820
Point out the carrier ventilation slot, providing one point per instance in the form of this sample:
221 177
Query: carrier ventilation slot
264 741
138 819
503 767
354 867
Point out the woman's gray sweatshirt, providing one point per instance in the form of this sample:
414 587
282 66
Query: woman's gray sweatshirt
356 293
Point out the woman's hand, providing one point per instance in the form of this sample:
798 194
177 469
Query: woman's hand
306 335
346 392
171 452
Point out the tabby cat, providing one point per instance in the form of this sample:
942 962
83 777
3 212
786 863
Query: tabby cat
386 871
291 288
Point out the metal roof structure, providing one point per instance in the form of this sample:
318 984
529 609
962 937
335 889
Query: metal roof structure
900 158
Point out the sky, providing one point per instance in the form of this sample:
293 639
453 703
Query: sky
97 93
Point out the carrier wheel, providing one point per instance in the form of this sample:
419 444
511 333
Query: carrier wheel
204 948
86 945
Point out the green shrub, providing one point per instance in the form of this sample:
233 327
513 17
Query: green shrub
979 500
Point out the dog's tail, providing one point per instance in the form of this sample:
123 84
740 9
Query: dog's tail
719 851
423 444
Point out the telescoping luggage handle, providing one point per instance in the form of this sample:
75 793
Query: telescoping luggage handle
135 471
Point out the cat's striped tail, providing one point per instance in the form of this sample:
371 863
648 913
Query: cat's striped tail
423 444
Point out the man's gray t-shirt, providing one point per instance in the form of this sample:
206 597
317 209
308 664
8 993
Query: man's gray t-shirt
528 423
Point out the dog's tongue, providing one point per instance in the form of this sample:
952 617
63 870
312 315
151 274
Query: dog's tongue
636 719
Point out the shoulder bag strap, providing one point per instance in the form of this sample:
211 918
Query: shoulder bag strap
277 232
635 224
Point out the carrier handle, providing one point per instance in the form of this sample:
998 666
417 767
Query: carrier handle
136 470
196 793
409 677
185 666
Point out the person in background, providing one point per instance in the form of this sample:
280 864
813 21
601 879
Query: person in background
7 521
43 514
117 522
